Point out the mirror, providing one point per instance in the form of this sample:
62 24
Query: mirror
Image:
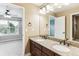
55 28
75 27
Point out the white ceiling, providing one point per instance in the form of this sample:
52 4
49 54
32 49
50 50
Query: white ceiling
66 7
60 9
38 4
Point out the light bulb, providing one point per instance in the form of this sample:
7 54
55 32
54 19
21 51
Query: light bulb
42 11
49 8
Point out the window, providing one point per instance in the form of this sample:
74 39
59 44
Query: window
8 27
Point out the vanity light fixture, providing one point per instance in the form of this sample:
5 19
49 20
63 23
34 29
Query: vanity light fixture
46 9
50 7
43 11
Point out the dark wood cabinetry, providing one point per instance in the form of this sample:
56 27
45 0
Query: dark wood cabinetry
35 49
56 54
38 50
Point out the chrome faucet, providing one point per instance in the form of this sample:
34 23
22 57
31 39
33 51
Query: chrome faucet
64 42
44 36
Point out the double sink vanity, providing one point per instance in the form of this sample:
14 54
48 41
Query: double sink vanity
50 47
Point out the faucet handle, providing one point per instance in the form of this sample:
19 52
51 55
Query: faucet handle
67 39
61 41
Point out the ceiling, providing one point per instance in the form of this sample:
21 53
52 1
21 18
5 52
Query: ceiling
71 5
38 4
13 9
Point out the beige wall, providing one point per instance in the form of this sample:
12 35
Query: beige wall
43 27
67 13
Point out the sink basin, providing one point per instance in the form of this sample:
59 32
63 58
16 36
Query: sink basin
61 48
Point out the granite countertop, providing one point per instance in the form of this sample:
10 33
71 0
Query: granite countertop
74 51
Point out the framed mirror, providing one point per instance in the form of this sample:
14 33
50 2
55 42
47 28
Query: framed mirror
75 27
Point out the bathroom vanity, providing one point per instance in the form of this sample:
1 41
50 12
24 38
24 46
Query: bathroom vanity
39 50
47 47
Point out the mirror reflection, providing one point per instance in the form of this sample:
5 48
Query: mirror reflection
56 26
75 27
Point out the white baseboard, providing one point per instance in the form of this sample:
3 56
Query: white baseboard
28 54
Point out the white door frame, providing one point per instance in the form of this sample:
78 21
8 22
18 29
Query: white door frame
23 28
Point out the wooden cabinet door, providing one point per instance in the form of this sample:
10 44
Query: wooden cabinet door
44 54
38 50
47 51
35 49
56 54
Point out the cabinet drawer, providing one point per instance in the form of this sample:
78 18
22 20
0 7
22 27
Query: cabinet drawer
34 49
35 52
47 51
